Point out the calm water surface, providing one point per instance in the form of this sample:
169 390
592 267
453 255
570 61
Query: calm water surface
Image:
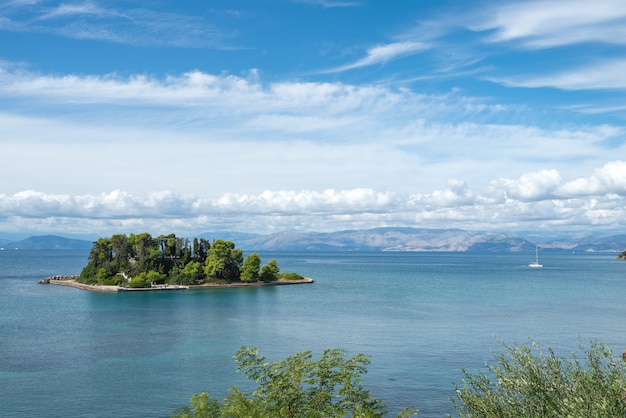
66 352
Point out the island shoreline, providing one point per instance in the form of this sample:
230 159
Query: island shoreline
71 282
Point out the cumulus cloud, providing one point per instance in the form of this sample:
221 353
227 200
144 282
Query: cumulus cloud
121 204
535 199
457 193
609 179
531 186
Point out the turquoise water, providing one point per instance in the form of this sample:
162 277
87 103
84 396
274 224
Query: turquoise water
66 352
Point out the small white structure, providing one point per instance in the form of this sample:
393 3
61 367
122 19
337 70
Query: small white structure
535 264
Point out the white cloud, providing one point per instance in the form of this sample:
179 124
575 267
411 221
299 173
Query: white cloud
534 200
544 24
221 98
289 135
537 185
228 151
78 9
330 3
601 75
228 102
191 88
609 179
456 194
384 53
135 26
247 95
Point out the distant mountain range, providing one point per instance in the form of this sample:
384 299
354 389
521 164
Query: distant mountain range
47 242
378 239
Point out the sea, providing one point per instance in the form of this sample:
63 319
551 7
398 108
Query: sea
421 317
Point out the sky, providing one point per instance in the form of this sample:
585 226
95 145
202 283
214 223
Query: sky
311 115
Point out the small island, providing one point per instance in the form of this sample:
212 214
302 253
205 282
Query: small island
139 262
622 255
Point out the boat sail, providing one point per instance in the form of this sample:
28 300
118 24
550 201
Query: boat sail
535 264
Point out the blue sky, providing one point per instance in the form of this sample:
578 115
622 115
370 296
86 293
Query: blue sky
312 115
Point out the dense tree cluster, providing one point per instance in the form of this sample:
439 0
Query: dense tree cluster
139 260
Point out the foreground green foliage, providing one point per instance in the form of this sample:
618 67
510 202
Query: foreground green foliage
139 260
526 382
297 386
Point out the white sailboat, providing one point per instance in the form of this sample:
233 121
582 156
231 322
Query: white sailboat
535 264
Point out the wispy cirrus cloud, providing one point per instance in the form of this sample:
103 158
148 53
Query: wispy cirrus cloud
248 95
384 53
395 124
94 21
552 23
330 3
481 42
78 10
607 74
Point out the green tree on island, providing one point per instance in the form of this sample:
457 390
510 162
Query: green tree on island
270 271
192 273
223 261
140 261
250 268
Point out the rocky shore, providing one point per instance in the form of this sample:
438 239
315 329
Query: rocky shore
71 281
56 278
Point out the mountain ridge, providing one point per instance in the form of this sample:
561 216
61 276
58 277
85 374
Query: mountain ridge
387 239
48 242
